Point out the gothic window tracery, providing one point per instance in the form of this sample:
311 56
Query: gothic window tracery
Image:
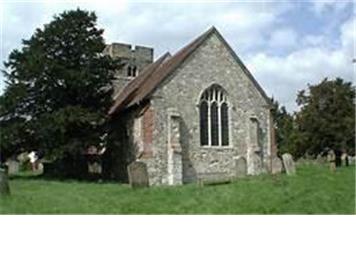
214 117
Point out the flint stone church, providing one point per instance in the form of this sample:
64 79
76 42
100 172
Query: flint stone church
190 116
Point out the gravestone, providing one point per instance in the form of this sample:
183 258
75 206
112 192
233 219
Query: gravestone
345 159
138 176
4 183
240 166
40 167
13 166
94 167
277 165
332 160
288 163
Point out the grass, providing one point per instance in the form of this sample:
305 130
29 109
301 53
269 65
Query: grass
313 190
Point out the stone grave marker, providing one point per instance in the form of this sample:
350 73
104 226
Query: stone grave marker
277 165
288 163
13 166
138 175
332 160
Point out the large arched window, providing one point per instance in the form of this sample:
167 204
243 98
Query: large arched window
214 117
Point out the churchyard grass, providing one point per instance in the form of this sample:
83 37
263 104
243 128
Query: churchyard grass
313 190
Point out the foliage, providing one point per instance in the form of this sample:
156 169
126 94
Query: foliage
327 117
314 190
285 129
57 89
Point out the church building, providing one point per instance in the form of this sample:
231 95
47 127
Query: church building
190 116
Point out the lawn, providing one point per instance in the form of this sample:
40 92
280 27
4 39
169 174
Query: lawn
313 190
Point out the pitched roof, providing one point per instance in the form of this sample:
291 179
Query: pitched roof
149 79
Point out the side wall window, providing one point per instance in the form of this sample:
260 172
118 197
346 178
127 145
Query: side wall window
214 117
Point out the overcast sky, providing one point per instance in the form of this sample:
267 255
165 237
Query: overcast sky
285 44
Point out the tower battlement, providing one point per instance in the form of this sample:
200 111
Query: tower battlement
128 51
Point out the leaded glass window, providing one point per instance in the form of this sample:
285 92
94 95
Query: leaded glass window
214 124
224 125
214 117
204 133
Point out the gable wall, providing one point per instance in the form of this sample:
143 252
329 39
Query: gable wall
211 63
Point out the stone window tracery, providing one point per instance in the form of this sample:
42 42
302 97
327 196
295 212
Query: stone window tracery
214 117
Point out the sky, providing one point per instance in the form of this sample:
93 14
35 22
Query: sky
285 44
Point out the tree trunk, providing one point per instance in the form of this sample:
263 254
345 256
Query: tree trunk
4 183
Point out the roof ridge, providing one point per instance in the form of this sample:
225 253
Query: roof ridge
143 86
161 69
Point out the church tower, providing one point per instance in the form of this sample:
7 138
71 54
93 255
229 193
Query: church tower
133 59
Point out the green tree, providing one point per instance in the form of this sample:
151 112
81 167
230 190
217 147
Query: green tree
58 89
285 129
327 117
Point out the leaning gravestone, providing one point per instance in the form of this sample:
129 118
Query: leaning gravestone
240 166
4 183
288 163
138 176
277 166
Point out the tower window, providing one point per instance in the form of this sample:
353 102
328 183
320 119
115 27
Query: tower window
131 71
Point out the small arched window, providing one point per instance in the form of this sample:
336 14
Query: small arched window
131 71
214 117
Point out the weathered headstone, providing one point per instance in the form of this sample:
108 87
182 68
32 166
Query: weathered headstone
240 166
345 159
95 167
277 165
4 183
13 166
288 163
332 160
138 175
40 167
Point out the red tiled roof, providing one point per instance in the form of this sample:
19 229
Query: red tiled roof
147 81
